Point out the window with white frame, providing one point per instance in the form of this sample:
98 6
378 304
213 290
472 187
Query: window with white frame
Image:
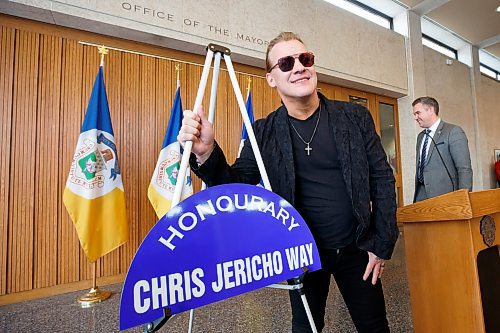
364 11
488 71
439 47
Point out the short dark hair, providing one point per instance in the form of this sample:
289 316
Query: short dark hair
282 37
427 101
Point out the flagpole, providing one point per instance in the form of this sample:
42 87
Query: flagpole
95 295
177 74
248 86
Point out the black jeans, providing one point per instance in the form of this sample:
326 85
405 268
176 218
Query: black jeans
364 301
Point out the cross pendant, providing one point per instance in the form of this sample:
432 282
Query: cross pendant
308 149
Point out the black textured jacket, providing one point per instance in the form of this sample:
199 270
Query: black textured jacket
368 176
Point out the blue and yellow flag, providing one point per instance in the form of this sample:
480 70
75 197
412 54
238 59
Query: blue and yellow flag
244 134
94 194
161 189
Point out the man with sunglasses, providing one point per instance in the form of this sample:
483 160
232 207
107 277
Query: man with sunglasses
326 159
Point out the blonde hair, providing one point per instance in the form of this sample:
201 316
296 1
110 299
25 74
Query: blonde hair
282 37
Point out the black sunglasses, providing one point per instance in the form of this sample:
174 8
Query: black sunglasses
286 64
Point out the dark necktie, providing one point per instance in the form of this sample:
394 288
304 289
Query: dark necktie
423 156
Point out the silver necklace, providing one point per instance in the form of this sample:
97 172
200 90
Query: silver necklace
307 143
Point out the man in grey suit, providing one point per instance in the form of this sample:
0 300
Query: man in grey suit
443 158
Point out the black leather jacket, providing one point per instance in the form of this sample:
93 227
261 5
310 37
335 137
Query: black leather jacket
367 174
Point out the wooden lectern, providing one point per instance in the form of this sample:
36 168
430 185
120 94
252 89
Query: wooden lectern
442 241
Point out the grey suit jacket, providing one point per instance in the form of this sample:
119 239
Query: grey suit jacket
452 143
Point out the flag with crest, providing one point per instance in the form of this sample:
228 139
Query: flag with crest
94 196
162 186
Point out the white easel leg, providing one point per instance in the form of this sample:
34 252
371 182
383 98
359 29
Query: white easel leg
211 118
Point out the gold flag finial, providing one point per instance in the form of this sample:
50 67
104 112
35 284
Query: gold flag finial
249 83
177 71
103 50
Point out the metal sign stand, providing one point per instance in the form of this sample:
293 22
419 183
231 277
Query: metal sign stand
219 51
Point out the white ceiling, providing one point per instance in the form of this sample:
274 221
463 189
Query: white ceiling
476 21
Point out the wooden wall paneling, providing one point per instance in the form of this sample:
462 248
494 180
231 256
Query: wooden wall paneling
399 177
184 84
370 98
117 103
261 99
257 89
130 138
338 92
187 83
224 114
184 80
165 88
91 62
23 162
6 89
373 108
327 90
235 120
71 119
183 77
192 82
46 193
110 264
243 79
245 91
164 91
147 154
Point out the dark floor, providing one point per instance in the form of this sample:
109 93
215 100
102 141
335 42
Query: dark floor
264 310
